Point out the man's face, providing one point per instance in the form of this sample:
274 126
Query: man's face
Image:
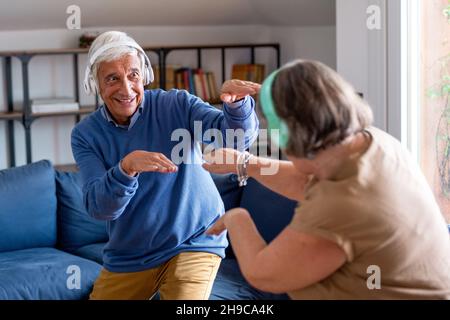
121 86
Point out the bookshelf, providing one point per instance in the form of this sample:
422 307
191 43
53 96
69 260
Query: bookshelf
26 116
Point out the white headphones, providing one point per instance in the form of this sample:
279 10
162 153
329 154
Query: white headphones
89 82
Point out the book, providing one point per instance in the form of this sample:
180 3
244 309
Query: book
211 80
248 72
170 77
204 87
48 105
196 81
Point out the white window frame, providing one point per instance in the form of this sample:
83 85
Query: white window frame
404 91
411 88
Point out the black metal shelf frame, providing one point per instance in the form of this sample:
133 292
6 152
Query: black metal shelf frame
27 117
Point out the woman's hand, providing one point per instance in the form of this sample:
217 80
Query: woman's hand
221 161
233 90
221 225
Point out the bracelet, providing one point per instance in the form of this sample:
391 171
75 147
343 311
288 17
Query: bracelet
241 167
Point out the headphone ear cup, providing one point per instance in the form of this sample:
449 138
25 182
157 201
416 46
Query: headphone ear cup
284 134
147 76
91 85
86 88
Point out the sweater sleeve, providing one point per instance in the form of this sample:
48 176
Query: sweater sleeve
106 193
234 127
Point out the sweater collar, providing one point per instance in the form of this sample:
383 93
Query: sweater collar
108 117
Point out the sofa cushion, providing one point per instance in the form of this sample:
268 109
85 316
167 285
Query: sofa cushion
27 207
229 190
75 227
45 273
231 194
92 252
270 211
231 285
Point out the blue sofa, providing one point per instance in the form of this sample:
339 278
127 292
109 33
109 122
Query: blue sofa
51 249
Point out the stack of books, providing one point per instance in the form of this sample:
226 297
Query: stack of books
248 72
196 81
51 105
170 77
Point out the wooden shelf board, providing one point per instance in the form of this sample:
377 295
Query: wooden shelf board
43 52
146 48
219 46
15 115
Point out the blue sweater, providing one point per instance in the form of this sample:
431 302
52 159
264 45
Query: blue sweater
155 216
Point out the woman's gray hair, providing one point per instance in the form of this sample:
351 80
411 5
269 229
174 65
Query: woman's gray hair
320 108
113 53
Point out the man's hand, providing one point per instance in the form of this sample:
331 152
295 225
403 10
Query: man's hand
144 161
233 90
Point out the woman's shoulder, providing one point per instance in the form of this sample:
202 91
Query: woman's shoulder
385 143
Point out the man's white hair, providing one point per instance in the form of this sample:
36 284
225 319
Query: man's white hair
112 53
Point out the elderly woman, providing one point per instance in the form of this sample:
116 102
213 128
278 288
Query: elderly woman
156 211
367 227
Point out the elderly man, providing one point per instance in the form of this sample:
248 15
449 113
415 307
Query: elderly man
156 212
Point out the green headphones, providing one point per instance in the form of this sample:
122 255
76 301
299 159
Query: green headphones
268 108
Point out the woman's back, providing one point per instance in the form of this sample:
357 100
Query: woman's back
381 211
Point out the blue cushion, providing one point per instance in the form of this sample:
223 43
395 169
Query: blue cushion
231 194
44 273
92 252
270 211
27 207
75 227
231 285
229 189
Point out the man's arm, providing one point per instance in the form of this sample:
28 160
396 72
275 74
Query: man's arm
106 193
238 113
292 261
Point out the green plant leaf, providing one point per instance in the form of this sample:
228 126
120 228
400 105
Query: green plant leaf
433 94
446 13
445 89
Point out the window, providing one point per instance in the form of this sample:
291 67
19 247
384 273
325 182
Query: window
428 90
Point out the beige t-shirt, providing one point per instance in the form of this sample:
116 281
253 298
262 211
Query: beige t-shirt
381 212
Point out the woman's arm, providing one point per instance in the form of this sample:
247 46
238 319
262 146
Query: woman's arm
292 261
279 176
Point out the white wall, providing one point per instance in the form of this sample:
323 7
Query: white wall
51 76
366 57
352 43
317 43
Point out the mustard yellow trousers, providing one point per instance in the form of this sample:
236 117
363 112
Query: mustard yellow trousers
187 276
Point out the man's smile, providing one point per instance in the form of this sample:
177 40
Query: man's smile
125 101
